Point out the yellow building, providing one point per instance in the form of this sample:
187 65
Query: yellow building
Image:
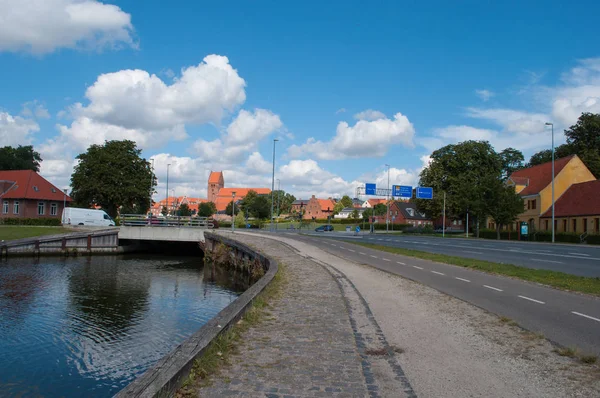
534 185
577 211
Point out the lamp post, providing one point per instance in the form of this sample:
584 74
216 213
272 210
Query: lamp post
278 196
387 216
552 124
64 203
232 211
151 182
444 218
167 204
273 182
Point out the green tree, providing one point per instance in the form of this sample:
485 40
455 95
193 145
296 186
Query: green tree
164 211
240 220
466 172
504 205
206 209
584 139
229 208
113 175
261 208
285 201
355 214
248 201
512 160
346 201
380 209
339 206
545 155
20 158
184 210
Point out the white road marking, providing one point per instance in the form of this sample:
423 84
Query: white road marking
586 316
493 288
439 273
364 254
373 256
461 279
580 254
400 263
333 245
530 299
385 259
379 239
353 251
547 261
468 251
414 266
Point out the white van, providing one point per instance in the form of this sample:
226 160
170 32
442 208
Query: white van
75 216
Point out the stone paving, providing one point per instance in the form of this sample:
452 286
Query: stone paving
320 340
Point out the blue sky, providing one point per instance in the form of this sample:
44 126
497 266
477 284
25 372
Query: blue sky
346 86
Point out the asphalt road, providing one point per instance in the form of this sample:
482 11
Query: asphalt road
569 319
583 260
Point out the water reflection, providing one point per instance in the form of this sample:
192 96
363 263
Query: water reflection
88 326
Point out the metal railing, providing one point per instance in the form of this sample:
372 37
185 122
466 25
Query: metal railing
142 220
583 237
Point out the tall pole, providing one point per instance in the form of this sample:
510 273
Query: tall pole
278 196
273 182
232 211
444 218
552 124
387 216
467 228
151 183
167 204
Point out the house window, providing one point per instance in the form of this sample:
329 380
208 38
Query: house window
574 225
41 208
585 225
546 222
564 225
53 209
16 207
5 207
528 204
533 204
597 225
459 222
411 212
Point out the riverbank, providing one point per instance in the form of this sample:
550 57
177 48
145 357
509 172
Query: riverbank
341 327
12 232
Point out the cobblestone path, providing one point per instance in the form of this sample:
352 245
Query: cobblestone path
320 340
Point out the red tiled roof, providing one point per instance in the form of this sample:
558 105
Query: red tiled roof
375 202
579 200
30 185
541 175
520 180
225 195
215 177
326 204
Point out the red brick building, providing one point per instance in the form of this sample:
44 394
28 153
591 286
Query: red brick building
26 194
405 213
215 183
318 208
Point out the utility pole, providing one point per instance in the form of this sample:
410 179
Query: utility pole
444 218
273 182
387 216
167 204
278 196
467 227
552 124
232 211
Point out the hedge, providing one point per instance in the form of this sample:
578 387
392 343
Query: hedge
593 239
540 236
46 222
504 235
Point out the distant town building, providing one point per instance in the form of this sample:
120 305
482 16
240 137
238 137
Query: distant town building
370 203
405 213
215 183
26 194
347 212
319 208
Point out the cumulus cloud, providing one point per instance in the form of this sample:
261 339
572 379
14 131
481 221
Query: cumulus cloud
256 164
485 95
42 27
35 109
341 110
15 130
364 139
369 114
581 92
511 120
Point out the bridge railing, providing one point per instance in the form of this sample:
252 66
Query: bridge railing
142 220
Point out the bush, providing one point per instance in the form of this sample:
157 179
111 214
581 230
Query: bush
46 222
504 235
593 239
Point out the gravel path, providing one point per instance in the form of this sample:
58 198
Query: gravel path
420 342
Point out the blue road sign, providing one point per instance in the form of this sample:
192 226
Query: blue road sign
370 189
402 191
424 193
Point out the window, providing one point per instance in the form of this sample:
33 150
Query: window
411 212
574 225
597 225
53 209
35 188
16 207
5 207
533 204
564 225
459 222
585 225
546 222
528 204
41 208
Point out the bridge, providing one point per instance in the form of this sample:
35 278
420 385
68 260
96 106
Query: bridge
140 227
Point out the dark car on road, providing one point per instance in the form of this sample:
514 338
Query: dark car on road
324 228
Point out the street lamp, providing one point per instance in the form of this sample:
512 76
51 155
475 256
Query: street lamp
167 204
552 124
273 182
387 216
278 195
232 211
64 203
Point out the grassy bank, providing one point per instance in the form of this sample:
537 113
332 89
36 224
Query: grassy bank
287 225
219 352
10 232
558 280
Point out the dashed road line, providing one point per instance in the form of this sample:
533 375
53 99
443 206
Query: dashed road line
414 266
364 254
439 273
493 288
585 316
374 256
350 250
462 279
580 254
401 263
530 299
547 261
385 259
468 251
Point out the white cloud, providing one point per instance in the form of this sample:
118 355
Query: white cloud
35 109
369 114
256 164
485 95
511 120
305 178
15 130
364 139
341 110
240 137
43 26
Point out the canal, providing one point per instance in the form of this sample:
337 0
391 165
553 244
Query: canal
87 326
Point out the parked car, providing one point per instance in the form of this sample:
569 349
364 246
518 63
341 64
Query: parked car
75 216
324 228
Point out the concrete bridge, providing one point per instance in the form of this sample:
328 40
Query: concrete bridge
169 229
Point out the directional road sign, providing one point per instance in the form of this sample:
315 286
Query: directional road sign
424 193
402 191
370 189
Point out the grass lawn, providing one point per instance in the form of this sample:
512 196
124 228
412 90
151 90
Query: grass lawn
10 232
555 279
336 227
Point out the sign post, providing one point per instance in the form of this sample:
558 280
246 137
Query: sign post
424 193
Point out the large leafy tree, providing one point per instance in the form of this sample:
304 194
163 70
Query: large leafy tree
206 209
184 210
20 158
339 206
113 175
466 172
346 201
512 160
504 205
229 208
285 201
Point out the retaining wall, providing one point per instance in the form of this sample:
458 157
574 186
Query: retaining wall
168 374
